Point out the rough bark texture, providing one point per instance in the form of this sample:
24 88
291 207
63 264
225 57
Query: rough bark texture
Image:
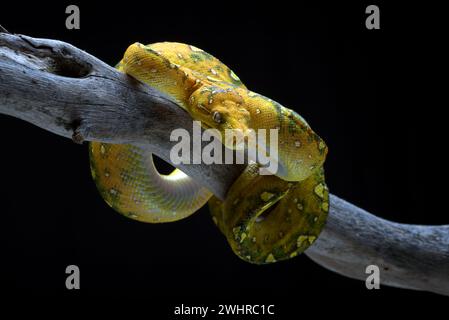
66 91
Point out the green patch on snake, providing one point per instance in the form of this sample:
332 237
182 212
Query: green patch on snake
325 206
200 56
152 51
278 109
270 258
218 67
297 115
132 215
292 127
305 240
321 147
278 251
320 190
234 77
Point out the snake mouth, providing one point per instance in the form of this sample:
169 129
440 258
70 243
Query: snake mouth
264 214
268 208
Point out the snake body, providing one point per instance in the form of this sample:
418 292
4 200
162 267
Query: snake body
265 218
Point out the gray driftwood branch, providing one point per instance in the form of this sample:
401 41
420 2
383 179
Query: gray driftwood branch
64 90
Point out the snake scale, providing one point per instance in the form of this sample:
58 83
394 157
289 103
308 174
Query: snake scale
265 218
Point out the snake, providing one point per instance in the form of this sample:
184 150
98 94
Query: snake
265 218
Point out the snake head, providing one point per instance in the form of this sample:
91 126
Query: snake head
223 110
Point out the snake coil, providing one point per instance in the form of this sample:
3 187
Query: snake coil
265 218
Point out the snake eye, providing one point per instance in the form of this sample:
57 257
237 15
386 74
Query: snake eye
217 117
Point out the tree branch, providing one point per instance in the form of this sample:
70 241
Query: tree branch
66 91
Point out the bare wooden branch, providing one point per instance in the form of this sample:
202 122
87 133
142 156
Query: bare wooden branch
66 91
408 256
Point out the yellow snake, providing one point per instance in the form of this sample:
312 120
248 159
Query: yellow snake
265 218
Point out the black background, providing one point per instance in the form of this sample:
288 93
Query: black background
377 97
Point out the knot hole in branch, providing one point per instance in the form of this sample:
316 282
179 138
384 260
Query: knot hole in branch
65 65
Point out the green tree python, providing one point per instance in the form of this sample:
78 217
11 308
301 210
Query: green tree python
265 218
